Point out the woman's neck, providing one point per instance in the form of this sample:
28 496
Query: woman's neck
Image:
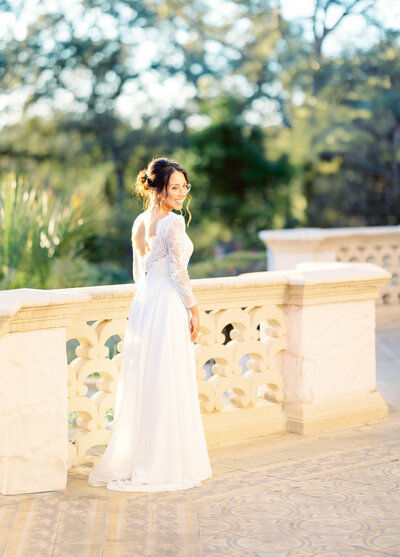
157 211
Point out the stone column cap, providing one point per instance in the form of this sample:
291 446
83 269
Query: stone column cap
319 282
320 234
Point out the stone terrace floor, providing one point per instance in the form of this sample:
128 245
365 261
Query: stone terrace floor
333 495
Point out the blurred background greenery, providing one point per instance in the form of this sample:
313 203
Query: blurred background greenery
277 127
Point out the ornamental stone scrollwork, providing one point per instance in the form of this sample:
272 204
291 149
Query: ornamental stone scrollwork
92 382
238 357
383 254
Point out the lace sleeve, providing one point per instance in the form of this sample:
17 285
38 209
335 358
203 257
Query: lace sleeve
178 261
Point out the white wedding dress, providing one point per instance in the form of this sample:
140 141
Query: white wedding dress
157 441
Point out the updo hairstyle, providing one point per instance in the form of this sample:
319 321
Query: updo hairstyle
155 178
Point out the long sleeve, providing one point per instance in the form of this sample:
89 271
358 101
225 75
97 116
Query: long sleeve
135 269
177 251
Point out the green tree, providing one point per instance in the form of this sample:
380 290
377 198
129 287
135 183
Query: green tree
359 154
241 186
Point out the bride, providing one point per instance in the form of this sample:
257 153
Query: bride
158 441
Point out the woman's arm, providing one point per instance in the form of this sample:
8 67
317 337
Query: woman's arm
178 265
194 323
136 273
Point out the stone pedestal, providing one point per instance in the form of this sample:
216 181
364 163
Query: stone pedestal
33 409
33 390
329 363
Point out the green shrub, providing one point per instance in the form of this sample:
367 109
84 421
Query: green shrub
231 264
37 226
70 272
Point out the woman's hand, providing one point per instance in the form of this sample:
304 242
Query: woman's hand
194 323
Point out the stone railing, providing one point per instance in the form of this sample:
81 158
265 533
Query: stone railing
277 351
373 244
238 353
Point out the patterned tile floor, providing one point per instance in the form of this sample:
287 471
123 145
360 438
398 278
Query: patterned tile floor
333 495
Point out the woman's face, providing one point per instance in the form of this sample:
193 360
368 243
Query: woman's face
176 191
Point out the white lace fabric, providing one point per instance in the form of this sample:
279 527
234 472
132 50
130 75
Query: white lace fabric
170 253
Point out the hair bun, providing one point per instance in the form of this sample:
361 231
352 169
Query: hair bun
142 177
142 182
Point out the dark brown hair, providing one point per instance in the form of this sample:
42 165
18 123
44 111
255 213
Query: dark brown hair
156 177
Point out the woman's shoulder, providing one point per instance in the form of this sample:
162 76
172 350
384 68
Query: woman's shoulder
177 217
138 218
174 221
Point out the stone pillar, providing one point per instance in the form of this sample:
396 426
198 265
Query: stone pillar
34 427
33 390
329 364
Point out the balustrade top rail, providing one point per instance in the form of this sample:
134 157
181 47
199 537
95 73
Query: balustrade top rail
29 309
312 234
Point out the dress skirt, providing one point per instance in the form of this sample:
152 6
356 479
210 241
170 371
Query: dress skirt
158 441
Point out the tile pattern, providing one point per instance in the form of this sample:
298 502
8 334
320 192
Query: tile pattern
344 503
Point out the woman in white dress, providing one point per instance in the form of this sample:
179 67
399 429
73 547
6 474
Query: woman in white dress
157 441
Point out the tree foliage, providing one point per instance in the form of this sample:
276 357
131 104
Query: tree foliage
240 181
275 130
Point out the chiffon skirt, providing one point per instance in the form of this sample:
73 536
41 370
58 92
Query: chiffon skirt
157 441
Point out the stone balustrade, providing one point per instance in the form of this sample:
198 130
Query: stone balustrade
372 244
277 351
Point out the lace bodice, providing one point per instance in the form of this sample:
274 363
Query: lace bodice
171 249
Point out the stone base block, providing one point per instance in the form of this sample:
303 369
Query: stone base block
45 475
336 413
223 428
